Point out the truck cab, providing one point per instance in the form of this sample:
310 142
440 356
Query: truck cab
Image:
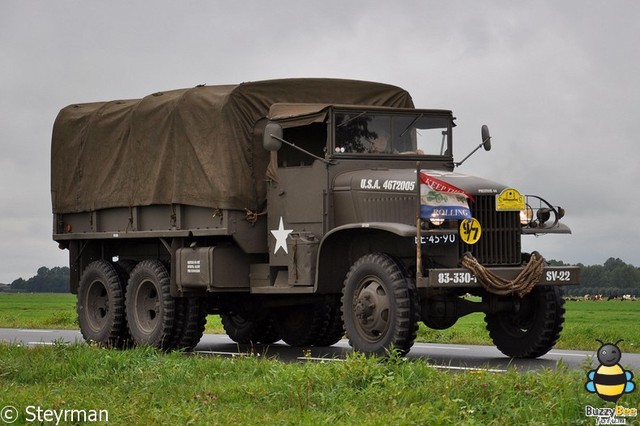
386 198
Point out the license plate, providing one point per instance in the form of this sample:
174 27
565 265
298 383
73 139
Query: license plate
437 239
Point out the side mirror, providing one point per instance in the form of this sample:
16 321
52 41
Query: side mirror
486 138
271 138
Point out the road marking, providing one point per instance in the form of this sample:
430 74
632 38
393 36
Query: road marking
567 354
41 343
219 353
448 348
453 367
320 359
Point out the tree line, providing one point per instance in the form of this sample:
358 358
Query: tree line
54 280
613 279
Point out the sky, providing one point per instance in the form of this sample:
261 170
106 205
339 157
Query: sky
556 82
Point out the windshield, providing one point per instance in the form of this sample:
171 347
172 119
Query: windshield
380 133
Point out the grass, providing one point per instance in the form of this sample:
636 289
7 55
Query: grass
143 386
585 321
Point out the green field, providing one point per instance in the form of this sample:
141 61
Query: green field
144 386
585 321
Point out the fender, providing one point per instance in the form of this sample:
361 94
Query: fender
343 245
558 228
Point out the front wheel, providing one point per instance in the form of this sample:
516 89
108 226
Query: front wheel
379 305
533 329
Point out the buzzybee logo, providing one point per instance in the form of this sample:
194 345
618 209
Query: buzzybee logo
610 381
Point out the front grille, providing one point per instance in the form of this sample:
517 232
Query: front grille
499 243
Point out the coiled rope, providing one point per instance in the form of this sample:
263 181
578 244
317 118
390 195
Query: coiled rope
251 216
520 285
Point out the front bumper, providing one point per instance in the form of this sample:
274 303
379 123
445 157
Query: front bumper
461 277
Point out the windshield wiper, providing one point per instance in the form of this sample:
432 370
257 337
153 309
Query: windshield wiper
344 123
411 124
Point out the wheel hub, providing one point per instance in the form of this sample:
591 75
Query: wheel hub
147 307
365 306
98 303
371 309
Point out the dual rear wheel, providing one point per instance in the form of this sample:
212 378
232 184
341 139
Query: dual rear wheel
117 308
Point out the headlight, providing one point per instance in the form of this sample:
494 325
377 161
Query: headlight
543 214
436 221
526 215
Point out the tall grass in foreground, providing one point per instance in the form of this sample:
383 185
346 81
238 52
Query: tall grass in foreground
585 321
143 386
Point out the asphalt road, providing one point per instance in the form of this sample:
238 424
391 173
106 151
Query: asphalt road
453 357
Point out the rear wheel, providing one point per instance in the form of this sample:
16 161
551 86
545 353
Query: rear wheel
150 308
533 329
302 325
334 330
100 305
379 305
190 320
241 330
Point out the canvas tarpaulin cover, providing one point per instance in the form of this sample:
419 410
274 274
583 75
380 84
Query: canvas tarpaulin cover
196 146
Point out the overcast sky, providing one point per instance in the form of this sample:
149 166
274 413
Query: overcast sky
558 83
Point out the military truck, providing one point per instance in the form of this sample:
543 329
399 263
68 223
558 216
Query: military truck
297 210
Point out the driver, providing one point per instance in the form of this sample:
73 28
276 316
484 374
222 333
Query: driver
380 144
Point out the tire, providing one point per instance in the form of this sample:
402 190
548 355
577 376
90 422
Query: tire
124 341
100 305
302 325
334 330
439 323
534 329
244 331
190 320
127 265
380 306
149 306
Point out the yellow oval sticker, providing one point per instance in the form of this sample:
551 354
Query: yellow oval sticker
470 230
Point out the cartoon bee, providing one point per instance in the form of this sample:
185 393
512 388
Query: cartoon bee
610 381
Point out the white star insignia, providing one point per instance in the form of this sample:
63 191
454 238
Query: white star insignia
281 235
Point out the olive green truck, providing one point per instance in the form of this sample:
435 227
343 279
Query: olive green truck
297 210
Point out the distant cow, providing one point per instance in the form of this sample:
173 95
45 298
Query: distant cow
592 297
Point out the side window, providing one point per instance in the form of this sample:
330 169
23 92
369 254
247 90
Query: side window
311 138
